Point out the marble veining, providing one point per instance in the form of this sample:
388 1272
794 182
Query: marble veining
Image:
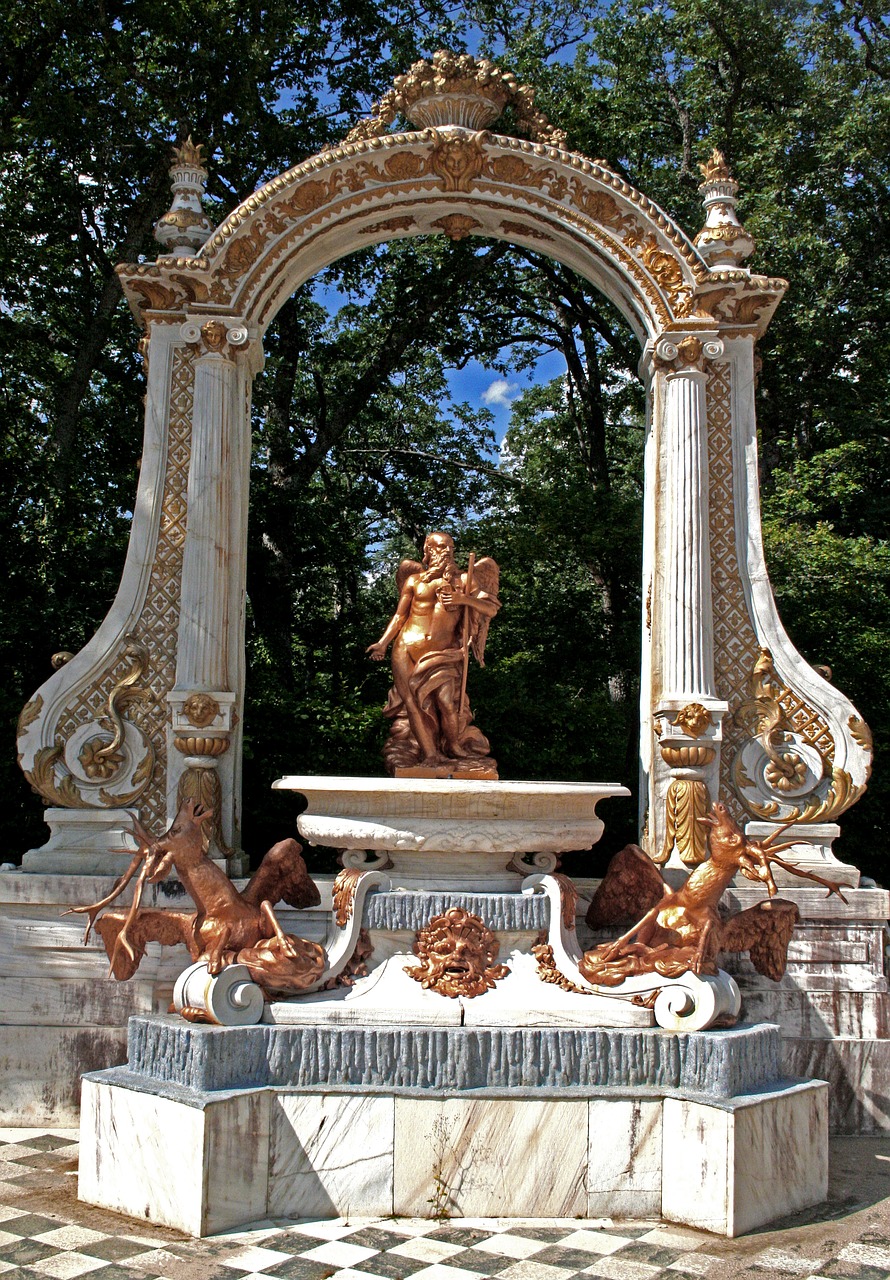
487 1158
328 1154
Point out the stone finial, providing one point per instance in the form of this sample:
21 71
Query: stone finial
185 227
722 241
457 89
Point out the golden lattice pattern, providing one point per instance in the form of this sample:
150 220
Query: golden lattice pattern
91 703
736 647
735 642
158 623
809 724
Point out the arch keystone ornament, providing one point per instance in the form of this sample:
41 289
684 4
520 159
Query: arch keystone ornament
775 740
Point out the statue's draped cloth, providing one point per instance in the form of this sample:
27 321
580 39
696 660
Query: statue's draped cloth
434 671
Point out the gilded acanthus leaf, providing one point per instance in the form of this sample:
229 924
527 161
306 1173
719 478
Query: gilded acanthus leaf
30 711
42 777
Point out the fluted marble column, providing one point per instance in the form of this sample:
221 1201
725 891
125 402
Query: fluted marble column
688 649
204 763
202 656
685 713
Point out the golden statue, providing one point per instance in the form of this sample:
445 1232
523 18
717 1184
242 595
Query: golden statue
682 930
230 926
442 615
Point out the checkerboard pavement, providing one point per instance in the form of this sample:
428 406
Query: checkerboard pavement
46 1234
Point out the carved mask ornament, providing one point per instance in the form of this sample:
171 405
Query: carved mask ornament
457 953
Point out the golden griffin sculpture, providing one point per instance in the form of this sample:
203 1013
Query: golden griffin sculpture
681 930
229 926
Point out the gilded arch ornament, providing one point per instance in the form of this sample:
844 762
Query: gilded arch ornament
727 704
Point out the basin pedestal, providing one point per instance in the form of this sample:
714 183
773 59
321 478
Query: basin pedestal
453 1059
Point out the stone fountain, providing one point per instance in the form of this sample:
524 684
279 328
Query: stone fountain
449 1044
452 1048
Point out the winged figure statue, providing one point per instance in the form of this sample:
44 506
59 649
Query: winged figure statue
228 926
442 616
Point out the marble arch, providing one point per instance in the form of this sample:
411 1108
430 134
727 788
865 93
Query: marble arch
150 709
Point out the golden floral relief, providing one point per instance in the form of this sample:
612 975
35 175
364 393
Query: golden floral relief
685 805
457 226
343 895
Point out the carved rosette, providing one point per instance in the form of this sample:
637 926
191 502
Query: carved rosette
457 953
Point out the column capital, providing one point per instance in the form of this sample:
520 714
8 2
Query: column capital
222 337
686 354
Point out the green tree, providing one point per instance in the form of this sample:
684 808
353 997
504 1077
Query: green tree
796 95
359 450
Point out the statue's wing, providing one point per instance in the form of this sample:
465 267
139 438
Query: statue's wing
404 571
151 925
764 932
631 886
486 579
282 877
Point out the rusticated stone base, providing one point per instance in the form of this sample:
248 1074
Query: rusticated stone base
713 1064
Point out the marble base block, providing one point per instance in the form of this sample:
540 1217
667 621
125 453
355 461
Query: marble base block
204 1163
198 1164
210 1128
746 1163
625 1154
86 842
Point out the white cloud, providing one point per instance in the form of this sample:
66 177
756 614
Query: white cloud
500 392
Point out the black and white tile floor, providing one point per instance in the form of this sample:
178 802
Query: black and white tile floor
46 1234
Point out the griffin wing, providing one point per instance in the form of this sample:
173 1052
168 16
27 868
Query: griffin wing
631 886
764 932
166 927
486 580
282 877
404 571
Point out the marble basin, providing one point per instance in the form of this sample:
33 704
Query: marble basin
463 826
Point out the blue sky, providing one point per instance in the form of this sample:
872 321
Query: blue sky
487 389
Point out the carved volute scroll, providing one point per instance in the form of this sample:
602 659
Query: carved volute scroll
698 313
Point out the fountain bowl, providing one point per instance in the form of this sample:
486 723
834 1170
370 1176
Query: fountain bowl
437 830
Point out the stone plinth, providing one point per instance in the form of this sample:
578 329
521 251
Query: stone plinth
210 1128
